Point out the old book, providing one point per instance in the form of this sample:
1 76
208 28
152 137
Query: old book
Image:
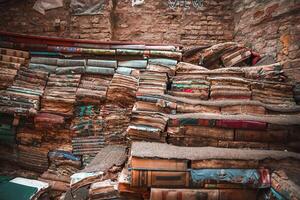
159 179
208 194
243 109
158 164
274 136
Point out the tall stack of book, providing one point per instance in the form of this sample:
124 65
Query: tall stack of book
147 123
60 94
87 128
122 90
115 122
92 89
10 62
23 97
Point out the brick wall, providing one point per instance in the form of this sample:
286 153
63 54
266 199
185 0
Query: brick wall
156 22
271 27
18 16
153 21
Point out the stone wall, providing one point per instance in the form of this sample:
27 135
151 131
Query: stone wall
153 21
270 27
18 16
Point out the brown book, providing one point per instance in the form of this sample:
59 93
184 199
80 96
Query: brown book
279 136
205 194
202 132
159 179
158 164
243 109
189 108
219 164
208 132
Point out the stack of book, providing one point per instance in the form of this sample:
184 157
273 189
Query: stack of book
70 66
148 126
62 165
192 87
229 88
104 190
233 130
228 54
152 82
33 158
46 64
87 128
101 67
115 122
34 143
60 94
122 90
10 62
96 180
92 89
215 173
87 121
131 67
272 92
23 97
272 72
7 130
